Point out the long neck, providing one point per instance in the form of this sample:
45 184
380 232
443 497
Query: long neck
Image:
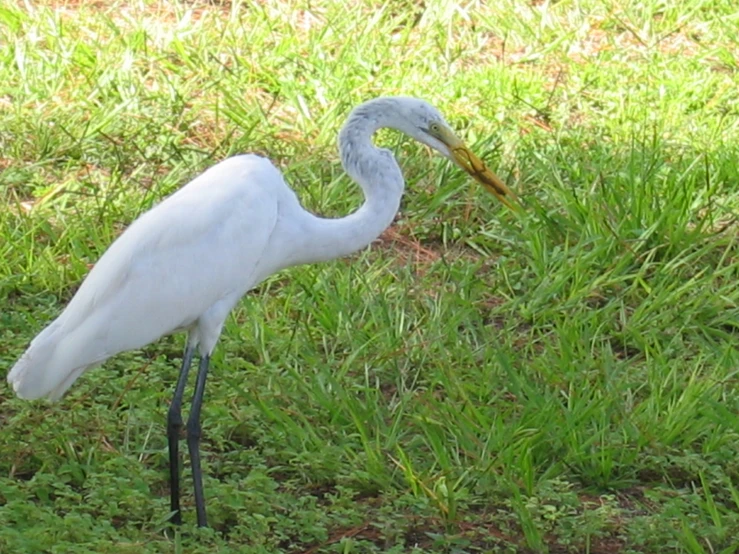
377 172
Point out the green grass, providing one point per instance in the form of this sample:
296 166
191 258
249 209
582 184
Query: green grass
477 381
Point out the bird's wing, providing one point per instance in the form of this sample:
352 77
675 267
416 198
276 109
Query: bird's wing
203 243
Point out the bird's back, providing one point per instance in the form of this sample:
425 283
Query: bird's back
203 245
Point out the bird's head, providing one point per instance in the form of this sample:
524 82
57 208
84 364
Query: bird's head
423 122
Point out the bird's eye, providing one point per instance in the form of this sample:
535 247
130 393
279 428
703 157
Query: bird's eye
435 128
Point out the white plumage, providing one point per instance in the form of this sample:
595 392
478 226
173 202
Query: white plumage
182 265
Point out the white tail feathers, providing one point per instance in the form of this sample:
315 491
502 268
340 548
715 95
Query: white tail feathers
44 370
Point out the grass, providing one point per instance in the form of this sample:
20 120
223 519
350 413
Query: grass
560 381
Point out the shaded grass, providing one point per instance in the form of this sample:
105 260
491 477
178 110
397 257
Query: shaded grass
561 381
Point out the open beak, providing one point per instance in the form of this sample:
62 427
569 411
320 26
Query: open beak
473 165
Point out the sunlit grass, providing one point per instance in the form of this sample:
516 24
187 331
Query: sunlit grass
478 381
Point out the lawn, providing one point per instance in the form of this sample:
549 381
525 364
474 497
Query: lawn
559 380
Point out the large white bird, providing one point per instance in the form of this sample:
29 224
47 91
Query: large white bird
184 264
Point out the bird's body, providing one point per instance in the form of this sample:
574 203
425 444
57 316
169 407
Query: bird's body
184 264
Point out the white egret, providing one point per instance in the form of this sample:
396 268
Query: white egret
184 264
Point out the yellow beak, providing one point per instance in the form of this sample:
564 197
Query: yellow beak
473 165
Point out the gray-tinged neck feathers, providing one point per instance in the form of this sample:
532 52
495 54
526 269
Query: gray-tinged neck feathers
372 168
376 171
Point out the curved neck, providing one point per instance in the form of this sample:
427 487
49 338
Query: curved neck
376 171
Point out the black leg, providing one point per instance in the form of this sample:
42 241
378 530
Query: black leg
174 425
193 440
